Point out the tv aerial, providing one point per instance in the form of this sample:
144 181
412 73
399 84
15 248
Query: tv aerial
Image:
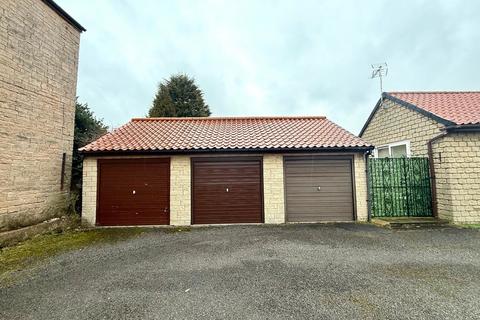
379 70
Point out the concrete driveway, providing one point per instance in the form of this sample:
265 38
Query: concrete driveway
343 271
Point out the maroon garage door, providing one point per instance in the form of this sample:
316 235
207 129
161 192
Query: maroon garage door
133 192
227 190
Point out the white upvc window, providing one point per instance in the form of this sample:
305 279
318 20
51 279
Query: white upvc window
398 149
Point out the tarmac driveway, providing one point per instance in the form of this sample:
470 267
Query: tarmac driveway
342 271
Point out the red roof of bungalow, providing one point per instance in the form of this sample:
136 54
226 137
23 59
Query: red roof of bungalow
456 109
461 108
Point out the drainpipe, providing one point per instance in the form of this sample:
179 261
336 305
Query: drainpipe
366 155
432 171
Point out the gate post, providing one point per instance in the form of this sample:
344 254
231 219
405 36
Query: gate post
406 185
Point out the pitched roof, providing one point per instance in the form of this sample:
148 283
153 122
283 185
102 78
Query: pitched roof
461 108
228 133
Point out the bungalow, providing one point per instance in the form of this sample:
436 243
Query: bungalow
443 126
183 171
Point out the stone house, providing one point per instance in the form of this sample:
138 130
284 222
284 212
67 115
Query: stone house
182 171
444 126
39 45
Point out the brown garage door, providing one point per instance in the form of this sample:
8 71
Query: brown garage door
319 189
133 192
227 190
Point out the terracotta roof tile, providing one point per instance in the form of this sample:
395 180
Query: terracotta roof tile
235 133
461 108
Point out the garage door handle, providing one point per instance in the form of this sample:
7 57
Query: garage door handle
226 189
165 210
318 188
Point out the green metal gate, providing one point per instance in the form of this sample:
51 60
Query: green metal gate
399 187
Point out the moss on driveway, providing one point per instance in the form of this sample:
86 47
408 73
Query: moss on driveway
31 251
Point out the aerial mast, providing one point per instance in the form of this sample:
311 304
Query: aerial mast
380 70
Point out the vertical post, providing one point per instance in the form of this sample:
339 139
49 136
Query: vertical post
379 70
62 177
384 202
381 86
428 189
406 185
369 191
433 180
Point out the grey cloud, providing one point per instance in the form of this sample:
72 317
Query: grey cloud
273 57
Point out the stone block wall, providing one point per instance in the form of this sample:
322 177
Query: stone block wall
393 122
180 191
273 188
457 170
38 72
89 191
360 187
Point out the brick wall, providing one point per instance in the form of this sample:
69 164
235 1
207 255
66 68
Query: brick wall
457 169
273 188
38 72
394 123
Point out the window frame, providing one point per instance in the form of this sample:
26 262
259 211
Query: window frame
393 144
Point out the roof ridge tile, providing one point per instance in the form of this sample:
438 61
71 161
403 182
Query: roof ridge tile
431 92
226 118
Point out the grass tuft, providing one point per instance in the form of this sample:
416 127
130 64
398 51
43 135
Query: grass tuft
471 226
178 229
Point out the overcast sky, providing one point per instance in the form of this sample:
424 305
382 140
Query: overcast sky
273 57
